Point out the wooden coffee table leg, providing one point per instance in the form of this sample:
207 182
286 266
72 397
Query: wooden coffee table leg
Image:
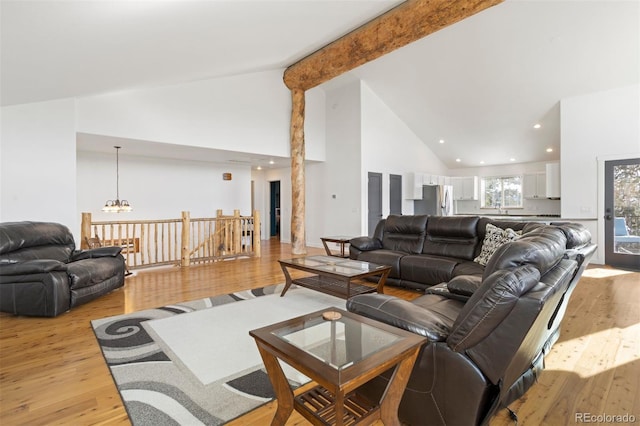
392 395
339 408
287 277
326 247
283 391
382 280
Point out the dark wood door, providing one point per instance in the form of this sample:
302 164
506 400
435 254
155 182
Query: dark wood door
375 201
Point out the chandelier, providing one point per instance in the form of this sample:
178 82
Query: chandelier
117 205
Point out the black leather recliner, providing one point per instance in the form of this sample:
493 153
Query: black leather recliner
487 338
41 273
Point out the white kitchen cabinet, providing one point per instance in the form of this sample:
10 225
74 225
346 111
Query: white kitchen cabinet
413 188
431 180
553 180
534 185
465 188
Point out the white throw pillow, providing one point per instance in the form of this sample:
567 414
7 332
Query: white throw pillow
493 239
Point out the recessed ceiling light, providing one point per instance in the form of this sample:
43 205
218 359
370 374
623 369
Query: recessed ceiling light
272 162
549 149
537 126
458 160
441 141
258 168
481 161
512 159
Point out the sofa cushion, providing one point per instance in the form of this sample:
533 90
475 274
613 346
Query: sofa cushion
451 236
404 233
429 316
384 257
426 269
468 267
494 238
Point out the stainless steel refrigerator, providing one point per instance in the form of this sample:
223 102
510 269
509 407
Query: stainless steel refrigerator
436 200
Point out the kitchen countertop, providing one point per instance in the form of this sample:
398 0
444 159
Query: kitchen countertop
531 218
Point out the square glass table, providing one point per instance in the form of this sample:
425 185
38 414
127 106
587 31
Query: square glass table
339 356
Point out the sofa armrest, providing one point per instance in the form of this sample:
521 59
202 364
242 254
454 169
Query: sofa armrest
464 285
31 267
366 243
111 251
399 313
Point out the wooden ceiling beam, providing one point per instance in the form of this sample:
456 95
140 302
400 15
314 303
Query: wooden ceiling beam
408 22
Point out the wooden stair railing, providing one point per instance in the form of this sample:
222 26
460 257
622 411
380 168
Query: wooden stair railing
178 242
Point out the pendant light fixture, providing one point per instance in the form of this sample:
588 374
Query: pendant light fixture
117 205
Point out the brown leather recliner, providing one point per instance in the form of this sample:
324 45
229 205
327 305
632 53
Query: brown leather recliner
486 343
41 273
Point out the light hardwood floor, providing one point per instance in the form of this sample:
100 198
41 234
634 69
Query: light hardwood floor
52 371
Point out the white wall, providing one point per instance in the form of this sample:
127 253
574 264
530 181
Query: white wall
247 113
363 135
159 188
390 147
596 126
38 176
339 175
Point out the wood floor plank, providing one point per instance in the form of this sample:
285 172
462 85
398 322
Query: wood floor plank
52 371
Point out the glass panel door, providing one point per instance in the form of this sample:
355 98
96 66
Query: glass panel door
622 213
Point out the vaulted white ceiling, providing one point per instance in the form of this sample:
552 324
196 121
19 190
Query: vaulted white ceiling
479 85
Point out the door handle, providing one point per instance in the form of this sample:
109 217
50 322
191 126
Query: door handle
608 217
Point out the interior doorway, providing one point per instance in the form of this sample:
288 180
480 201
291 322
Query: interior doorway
274 209
374 201
622 213
395 194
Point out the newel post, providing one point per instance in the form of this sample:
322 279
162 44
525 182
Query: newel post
256 233
186 230
237 232
85 230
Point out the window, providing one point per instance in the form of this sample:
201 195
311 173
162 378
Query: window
501 192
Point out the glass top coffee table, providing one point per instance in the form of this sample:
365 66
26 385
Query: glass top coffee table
338 277
339 355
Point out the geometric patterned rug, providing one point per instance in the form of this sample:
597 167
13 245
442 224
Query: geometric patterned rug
169 363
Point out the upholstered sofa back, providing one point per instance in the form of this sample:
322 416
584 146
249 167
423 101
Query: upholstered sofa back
481 228
22 241
404 233
542 247
451 237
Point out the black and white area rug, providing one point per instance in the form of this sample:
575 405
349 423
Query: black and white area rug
194 363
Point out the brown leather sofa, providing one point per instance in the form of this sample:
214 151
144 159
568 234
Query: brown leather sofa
487 334
42 274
